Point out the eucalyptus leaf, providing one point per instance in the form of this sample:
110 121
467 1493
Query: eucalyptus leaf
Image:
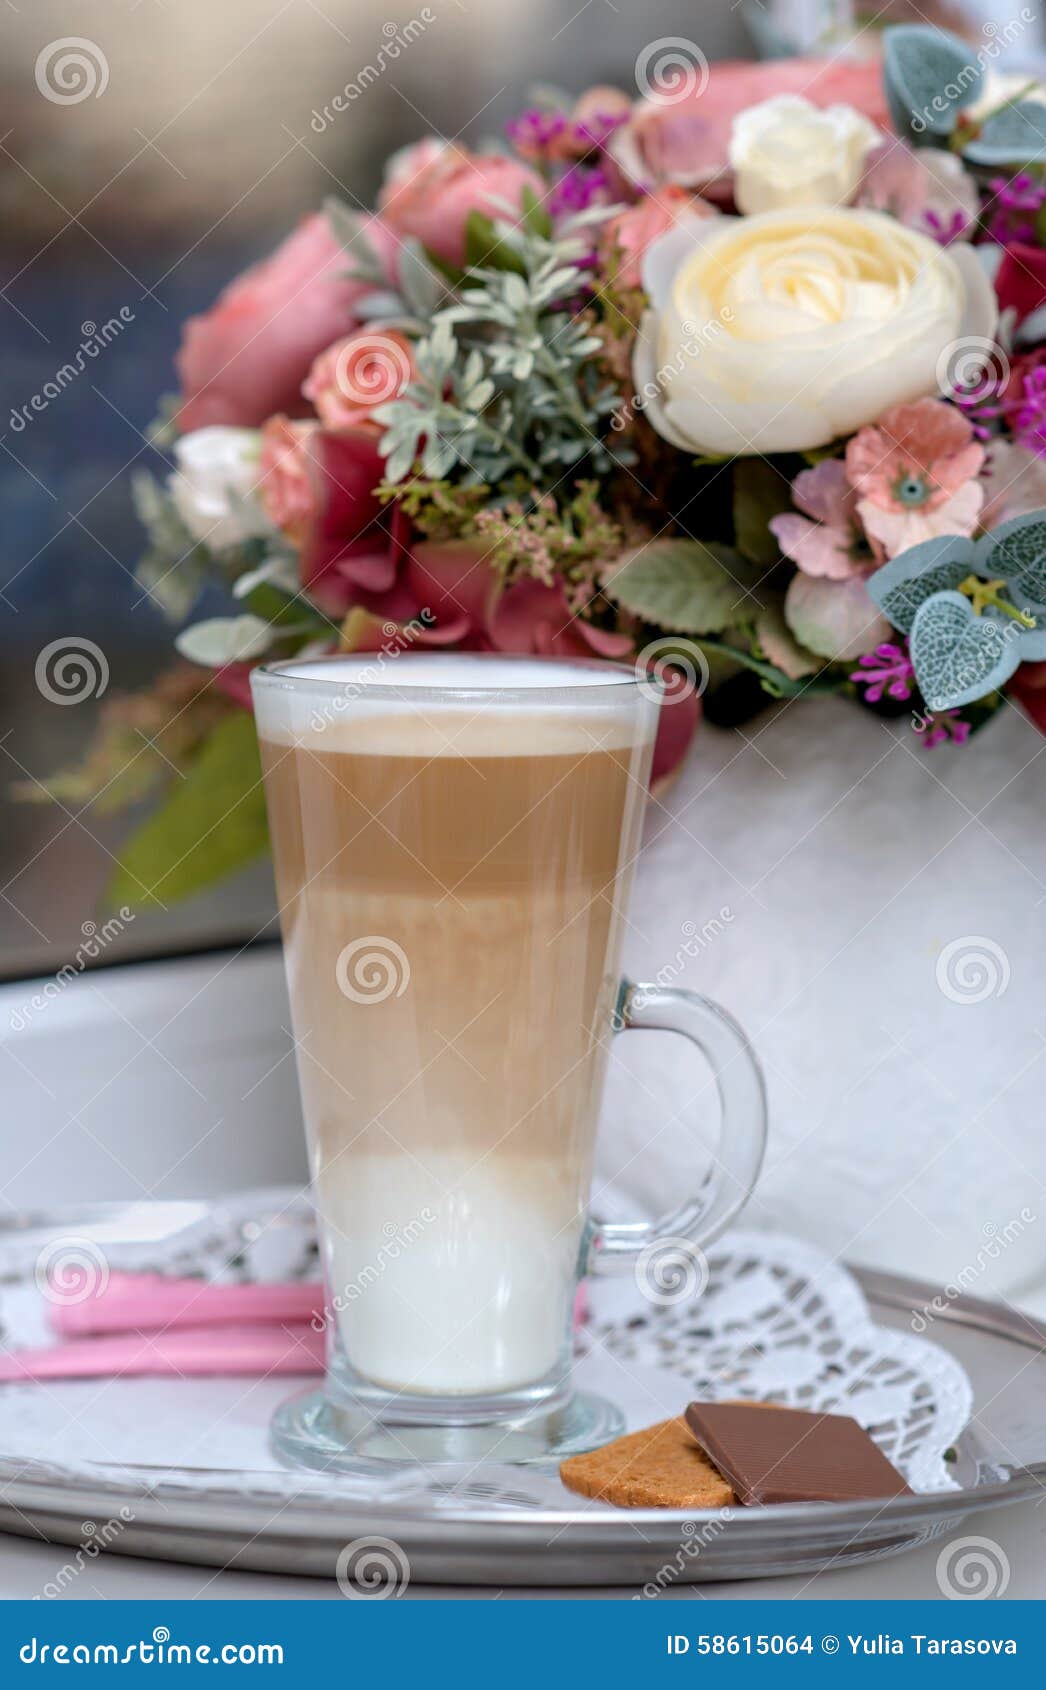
212 824
933 566
929 75
686 586
1014 135
1016 551
959 656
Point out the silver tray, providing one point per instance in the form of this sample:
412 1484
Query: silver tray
504 1525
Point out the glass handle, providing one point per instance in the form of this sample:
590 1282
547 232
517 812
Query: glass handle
614 1247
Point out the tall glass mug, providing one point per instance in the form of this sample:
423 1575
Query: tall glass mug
454 838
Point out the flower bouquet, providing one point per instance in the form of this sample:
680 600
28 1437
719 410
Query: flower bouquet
739 381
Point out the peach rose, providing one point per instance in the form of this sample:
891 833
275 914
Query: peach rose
429 194
686 140
246 358
352 376
627 236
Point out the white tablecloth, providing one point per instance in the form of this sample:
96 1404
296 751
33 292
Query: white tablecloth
810 873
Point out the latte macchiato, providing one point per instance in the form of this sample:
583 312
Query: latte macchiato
452 869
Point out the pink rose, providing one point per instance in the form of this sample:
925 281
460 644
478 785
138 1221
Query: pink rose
453 581
352 376
627 236
319 489
429 196
685 141
246 358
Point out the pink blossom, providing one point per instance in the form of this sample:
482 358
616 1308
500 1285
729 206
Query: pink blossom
627 236
246 358
916 472
430 194
349 378
926 188
828 540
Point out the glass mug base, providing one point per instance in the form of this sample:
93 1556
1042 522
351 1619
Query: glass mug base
329 1435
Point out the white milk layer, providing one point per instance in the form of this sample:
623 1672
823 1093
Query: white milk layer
453 1277
440 704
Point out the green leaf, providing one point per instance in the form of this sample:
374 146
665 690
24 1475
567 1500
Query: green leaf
535 217
212 824
685 586
761 491
775 681
484 248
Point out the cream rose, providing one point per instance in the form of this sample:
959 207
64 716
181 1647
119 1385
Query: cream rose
788 152
782 332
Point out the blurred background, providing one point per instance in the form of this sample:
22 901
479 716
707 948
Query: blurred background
124 210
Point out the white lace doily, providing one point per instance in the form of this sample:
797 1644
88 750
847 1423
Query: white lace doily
777 1321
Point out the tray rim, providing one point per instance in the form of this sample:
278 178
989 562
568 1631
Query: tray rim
39 1486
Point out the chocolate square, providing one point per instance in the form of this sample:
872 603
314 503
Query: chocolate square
771 1454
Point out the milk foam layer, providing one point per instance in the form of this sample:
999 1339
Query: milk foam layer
455 1276
453 705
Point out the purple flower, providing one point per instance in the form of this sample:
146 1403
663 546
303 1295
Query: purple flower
1015 206
945 727
886 669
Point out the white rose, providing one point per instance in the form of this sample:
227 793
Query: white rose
783 332
787 152
215 485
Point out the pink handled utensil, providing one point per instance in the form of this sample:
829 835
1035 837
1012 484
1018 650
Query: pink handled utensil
188 1351
151 1302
